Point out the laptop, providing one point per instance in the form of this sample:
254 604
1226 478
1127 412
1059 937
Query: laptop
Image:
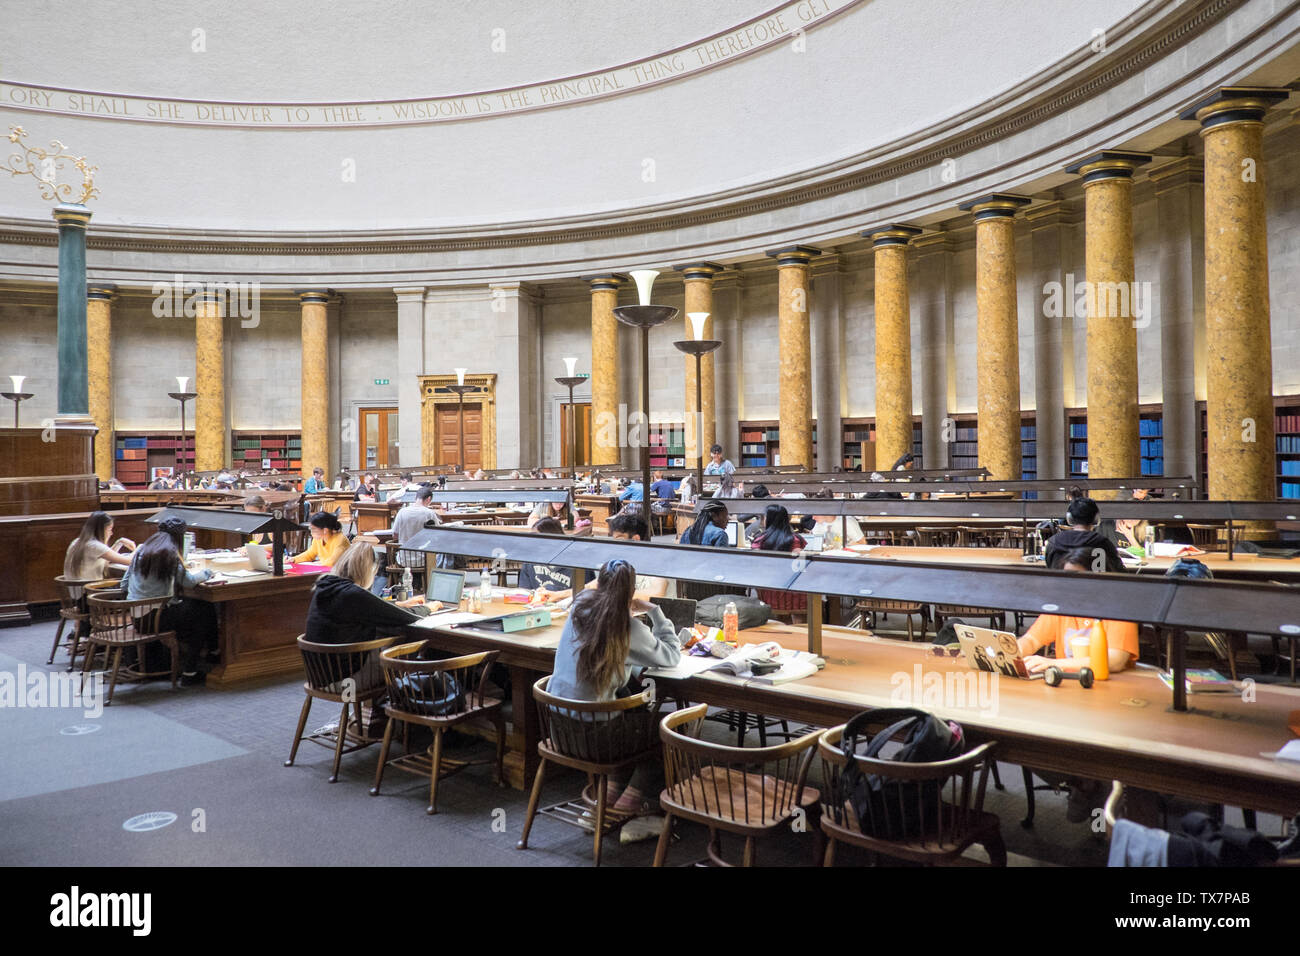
445 586
681 611
735 533
257 559
988 650
813 542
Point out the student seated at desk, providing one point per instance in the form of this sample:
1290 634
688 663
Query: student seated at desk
1081 516
831 527
632 492
559 510
710 526
328 542
549 583
601 645
157 571
90 554
410 521
1056 630
316 483
368 490
777 533
661 487
344 611
257 504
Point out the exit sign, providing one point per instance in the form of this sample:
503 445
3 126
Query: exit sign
381 381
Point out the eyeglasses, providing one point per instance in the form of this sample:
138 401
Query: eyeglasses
946 650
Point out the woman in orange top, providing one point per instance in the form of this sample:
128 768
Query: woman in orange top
1121 636
328 542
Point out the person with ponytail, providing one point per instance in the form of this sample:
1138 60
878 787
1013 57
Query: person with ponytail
89 555
602 644
710 527
328 542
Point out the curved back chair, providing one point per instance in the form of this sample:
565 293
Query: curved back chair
748 791
72 607
118 624
437 694
935 814
599 738
346 674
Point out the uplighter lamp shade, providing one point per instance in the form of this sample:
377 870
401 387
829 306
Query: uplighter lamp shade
645 280
181 382
18 382
570 367
460 375
697 324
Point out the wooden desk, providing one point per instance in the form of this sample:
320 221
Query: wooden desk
258 623
1120 729
602 507
191 498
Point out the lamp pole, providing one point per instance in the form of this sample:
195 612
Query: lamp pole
570 381
461 389
181 397
699 348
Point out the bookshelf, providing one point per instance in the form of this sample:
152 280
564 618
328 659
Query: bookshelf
135 454
667 445
1029 449
965 444
1151 436
1076 443
1287 423
248 449
855 432
760 444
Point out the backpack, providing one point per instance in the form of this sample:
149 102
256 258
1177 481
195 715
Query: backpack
750 611
888 809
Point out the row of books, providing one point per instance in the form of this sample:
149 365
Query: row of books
1288 445
1150 427
1289 466
1153 447
1288 423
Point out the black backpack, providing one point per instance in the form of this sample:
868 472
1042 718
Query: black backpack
889 809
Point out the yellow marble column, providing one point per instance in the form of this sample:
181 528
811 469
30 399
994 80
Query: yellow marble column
210 448
795 348
315 389
1115 310
699 298
1238 343
604 368
99 368
893 343
997 335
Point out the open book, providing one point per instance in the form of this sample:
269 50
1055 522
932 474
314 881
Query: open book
754 662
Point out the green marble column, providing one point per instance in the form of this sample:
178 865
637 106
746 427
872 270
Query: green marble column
74 386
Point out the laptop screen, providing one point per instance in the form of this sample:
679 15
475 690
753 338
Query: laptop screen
813 542
734 533
445 586
681 611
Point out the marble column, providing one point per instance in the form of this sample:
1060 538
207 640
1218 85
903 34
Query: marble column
997 336
74 390
1180 211
315 389
410 366
893 343
1113 314
514 337
830 385
210 449
604 368
1051 230
932 275
698 282
795 380
99 369
1238 341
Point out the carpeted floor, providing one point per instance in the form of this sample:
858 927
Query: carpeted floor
215 760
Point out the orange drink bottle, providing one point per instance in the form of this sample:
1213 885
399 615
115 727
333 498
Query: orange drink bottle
1099 652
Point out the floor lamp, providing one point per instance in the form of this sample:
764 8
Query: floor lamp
182 395
699 347
460 388
570 380
17 396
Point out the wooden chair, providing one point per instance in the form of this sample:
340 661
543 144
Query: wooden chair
945 819
747 791
996 617
945 537
395 556
118 624
72 607
460 696
600 738
328 667
1205 536
868 608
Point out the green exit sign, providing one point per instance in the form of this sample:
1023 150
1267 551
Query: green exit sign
381 381
586 375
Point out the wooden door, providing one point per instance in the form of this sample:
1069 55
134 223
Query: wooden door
379 436
449 448
583 412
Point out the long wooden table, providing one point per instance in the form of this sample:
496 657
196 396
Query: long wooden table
1120 729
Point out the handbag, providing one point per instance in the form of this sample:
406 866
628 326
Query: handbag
890 809
750 610
432 695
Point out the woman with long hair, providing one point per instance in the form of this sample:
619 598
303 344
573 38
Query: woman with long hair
157 571
601 645
777 534
90 554
710 526
328 542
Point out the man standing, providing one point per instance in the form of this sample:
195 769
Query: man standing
718 466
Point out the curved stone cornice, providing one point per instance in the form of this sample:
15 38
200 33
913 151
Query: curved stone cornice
1018 143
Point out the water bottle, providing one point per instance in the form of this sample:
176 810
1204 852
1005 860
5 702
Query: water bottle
189 545
406 584
730 623
485 587
1149 542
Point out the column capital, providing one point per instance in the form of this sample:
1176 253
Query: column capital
1234 104
932 242
896 234
831 264
1108 164
407 293
72 214
101 290
995 206
794 255
699 270
604 281
313 295
1183 171
1056 212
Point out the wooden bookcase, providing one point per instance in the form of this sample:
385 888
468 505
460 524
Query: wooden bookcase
249 448
136 454
760 445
